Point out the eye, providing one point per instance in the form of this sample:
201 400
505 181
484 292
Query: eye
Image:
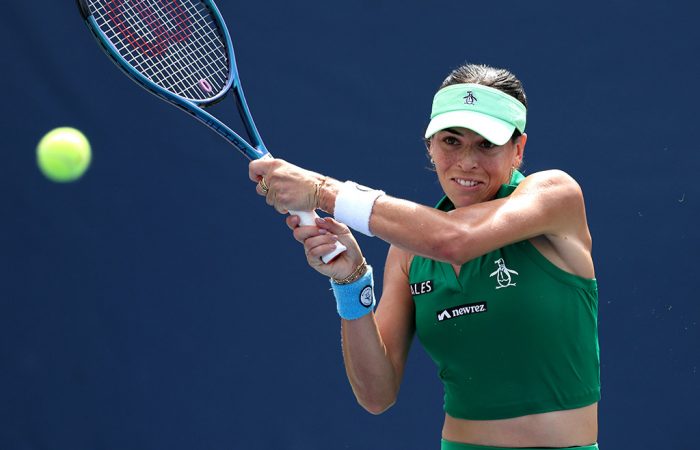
487 144
450 140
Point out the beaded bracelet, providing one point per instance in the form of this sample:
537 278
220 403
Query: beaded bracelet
357 273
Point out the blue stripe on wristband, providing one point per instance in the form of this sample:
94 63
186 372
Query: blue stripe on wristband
356 299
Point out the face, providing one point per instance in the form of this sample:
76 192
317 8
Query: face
470 168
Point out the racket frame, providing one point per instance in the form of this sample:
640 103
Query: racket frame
193 107
196 107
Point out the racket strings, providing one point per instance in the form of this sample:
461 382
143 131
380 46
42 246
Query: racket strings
175 68
176 44
181 59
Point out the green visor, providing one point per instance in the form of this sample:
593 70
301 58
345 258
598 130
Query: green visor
485 110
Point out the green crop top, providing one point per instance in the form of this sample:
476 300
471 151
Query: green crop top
512 335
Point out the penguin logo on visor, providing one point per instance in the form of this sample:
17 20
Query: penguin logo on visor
469 99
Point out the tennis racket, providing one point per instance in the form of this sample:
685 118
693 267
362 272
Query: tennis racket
181 51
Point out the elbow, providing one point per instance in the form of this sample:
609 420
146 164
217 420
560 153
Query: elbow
376 401
451 247
376 406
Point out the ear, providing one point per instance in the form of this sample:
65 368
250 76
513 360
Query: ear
428 150
519 150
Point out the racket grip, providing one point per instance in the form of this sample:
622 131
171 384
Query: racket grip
308 218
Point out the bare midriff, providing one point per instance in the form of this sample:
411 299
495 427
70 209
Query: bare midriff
569 428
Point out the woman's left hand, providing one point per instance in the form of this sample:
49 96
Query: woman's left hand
289 187
320 239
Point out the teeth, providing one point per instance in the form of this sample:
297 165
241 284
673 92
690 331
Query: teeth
466 183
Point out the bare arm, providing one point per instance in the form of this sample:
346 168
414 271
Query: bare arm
548 203
376 345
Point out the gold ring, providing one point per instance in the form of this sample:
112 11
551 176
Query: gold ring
264 186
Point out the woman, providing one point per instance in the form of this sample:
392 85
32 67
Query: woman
497 280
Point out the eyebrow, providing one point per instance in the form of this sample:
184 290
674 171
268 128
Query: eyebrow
453 131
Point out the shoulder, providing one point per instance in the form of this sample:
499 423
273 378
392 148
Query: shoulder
567 242
550 203
553 188
554 179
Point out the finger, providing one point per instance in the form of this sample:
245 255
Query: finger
311 243
302 233
271 197
257 169
319 251
292 222
281 210
332 225
344 234
318 246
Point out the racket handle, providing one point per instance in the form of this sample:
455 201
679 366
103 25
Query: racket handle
308 218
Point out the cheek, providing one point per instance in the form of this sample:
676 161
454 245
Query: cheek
505 159
437 159
444 159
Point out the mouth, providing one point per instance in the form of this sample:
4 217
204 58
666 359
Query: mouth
466 182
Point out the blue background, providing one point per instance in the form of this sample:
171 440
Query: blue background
158 303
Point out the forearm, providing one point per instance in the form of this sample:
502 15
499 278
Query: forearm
418 229
408 225
372 376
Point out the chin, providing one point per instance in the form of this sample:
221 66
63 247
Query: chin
460 201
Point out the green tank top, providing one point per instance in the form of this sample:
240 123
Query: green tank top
512 335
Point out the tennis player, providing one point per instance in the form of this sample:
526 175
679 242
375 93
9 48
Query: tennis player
497 280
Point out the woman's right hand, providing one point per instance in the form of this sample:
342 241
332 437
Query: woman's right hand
320 239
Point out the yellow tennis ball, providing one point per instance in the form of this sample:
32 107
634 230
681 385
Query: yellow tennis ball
63 154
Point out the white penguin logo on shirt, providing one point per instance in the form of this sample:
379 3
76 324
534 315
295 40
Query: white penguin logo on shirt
503 274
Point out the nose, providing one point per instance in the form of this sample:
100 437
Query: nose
468 158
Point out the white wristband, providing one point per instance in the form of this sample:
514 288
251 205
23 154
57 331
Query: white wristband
353 206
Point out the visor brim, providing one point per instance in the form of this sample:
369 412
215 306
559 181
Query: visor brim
494 130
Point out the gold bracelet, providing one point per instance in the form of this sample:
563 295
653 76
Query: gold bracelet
355 275
317 193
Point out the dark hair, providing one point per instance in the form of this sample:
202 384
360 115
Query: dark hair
500 79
